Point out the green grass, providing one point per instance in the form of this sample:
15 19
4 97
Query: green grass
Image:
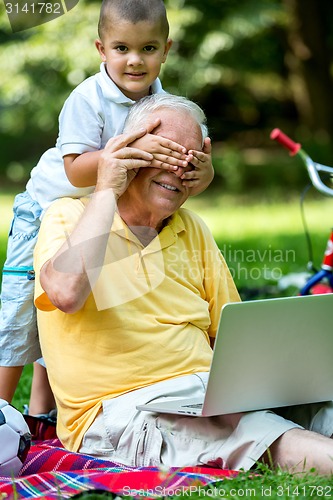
261 240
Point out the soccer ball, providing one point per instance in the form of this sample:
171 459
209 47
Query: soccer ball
15 439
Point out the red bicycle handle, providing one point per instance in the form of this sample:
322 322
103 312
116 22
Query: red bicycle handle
285 141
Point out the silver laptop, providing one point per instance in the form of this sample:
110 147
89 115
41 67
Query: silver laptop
268 353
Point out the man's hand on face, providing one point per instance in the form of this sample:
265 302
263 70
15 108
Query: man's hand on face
120 162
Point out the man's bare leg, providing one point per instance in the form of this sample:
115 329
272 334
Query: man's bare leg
299 450
9 379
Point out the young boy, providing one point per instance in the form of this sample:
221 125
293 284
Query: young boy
133 44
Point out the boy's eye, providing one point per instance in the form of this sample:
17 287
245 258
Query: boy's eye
121 48
149 48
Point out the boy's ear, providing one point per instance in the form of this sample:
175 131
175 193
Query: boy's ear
100 47
167 48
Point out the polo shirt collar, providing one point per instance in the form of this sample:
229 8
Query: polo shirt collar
165 238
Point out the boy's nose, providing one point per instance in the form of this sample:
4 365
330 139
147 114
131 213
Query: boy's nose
134 60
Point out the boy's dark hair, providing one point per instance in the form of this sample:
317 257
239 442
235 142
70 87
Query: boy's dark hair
132 11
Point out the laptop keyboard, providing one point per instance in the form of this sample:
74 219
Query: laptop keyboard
197 405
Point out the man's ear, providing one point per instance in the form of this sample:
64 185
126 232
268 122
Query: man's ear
100 47
166 49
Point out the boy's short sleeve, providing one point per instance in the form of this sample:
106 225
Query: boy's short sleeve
58 222
80 126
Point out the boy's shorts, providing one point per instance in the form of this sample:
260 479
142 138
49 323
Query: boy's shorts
122 434
19 344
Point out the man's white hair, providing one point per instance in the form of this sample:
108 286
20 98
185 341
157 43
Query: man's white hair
140 112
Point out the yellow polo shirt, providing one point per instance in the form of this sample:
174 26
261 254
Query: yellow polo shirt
149 316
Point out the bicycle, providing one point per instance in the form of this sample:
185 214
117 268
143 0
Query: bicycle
322 280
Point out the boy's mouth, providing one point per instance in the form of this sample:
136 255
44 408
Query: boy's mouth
136 75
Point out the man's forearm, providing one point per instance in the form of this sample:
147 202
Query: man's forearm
69 276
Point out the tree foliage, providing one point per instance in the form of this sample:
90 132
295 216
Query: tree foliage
251 64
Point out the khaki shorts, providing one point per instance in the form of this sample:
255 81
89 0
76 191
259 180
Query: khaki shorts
124 435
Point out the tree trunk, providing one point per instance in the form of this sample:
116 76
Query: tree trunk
309 60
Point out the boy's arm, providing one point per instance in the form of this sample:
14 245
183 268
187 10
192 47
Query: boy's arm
199 178
81 170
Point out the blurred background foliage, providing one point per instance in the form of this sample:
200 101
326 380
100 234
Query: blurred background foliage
251 64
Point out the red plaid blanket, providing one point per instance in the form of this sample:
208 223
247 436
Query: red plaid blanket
50 472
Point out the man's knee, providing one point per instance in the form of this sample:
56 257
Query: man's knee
299 450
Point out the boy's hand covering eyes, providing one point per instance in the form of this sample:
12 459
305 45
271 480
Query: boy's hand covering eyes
202 173
168 155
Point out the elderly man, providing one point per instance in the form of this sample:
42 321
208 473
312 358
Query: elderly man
130 288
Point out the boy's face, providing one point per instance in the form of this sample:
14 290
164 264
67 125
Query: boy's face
134 54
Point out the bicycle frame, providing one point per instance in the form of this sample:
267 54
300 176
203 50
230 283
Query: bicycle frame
324 273
314 284
312 167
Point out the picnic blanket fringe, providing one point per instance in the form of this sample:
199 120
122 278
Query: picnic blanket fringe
51 472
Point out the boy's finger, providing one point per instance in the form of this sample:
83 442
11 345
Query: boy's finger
207 148
172 153
169 161
171 146
207 145
190 175
198 156
190 183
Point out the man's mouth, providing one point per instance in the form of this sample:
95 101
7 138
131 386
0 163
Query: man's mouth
169 187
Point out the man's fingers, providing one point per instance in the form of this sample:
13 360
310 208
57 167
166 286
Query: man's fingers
135 164
120 141
126 153
133 153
